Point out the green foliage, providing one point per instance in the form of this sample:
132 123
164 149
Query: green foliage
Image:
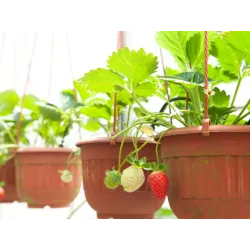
231 50
8 101
129 74
164 213
175 42
136 66
101 80
68 99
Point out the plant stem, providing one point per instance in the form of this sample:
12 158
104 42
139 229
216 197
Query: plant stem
8 131
141 147
241 118
157 145
129 111
120 151
236 90
136 140
242 111
235 94
196 103
135 124
74 211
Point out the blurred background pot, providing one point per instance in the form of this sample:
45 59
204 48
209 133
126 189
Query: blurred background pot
38 178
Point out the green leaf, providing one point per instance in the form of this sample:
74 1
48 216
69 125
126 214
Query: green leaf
180 82
30 103
247 60
145 89
101 80
92 125
172 72
240 40
219 76
218 114
8 101
68 99
82 91
139 112
130 159
164 213
175 42
123 98
195 50
220 98
143 161
229 58
2 183
97 111
231 118
135 65
49 112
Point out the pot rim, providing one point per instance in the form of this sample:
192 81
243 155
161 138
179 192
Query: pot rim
44 150
212 129
108 140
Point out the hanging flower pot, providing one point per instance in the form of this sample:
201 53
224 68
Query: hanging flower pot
7 176
209 175
209 165
41 178
98 156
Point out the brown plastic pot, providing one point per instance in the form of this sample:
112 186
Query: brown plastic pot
98 155
38 180
7 175
209 175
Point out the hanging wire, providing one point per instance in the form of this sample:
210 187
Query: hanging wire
206 74
206 121
166 82
71 66
51 63
15 64
120 45
2 48
25 87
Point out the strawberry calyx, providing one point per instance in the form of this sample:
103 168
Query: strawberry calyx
155 167
112 179
2 183
133 160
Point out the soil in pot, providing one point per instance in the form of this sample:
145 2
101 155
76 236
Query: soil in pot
97 156
209 175
7 175
38 178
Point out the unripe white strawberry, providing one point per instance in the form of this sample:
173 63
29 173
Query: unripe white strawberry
132 178
66 176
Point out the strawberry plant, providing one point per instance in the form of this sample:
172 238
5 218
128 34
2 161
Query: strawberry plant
228 64
129 74
9 115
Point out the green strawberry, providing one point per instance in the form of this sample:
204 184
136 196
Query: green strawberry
112 179
132 178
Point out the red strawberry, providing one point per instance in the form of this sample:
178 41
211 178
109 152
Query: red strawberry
158 183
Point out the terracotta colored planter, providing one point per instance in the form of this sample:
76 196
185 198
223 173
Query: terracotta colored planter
99 155
209 175
7 175
38 181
